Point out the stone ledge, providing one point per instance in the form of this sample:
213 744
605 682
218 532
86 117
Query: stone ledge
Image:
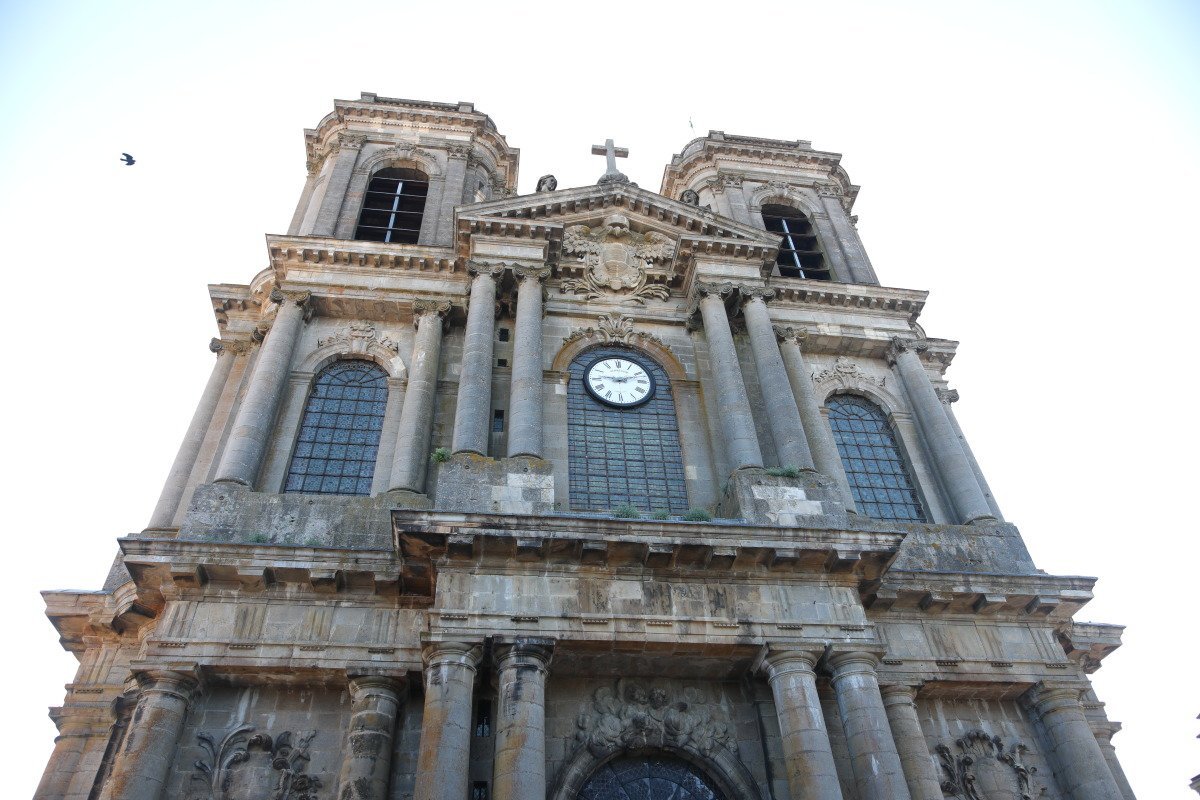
1046 596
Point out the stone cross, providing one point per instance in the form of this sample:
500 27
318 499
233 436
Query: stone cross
612 153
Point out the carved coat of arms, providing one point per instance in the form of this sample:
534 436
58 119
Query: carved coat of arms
616 259
981 768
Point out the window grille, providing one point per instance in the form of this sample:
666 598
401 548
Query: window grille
339 433
799 253
875 468
623 456
651 776
393 207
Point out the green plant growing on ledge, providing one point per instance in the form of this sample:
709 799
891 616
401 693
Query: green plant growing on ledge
660 514
441 455
258 538
626 511
784 472
697 515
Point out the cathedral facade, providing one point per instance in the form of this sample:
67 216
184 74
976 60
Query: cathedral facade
587 493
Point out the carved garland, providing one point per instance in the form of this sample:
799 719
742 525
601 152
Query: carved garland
615 328
983 769
236 753
634 714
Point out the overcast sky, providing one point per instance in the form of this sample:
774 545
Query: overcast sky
1034 164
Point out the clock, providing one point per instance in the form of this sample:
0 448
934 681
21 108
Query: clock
619 382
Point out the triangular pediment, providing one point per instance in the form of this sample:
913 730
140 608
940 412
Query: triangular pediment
646 211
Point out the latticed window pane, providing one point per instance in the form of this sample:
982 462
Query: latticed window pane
878 477
339 434
624 456
799 253
393 206
648 777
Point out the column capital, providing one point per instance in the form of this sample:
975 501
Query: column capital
458 151
361 685
169 682
791 335
523 271
492 269
524 651
435 305
1046 698
776 662
705 289
901 344
852 662
748 293
301 298
463 654
235 347
351 141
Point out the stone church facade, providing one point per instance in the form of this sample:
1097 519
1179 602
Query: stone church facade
587 493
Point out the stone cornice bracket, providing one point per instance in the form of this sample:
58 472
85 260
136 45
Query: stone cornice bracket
947 396
787 333
439 306
900 345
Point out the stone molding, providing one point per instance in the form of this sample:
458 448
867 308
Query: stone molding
427 162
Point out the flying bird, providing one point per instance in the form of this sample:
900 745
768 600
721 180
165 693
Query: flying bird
128 159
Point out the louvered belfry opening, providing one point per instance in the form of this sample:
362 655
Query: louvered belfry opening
393 207
799 253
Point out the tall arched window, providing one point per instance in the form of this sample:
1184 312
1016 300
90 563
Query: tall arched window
799 253
649 776
879 479
339 435
393 207
623 449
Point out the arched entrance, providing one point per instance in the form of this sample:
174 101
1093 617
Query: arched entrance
648 776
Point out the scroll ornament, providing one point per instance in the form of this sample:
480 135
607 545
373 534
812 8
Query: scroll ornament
980 768
241 765
616 259
614 328
358 339
635 714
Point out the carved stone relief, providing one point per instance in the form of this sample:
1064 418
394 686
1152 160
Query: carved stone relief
359 338
980 768
846 375
635 714
614 328
245 765
616 259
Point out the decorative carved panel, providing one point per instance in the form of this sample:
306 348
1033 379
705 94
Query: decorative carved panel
981 768
616 260
245 765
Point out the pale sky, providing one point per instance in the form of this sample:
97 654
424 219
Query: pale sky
1031 163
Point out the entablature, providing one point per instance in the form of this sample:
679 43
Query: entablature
941 593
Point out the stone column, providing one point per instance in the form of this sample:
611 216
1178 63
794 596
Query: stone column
144 763
948 398
826 457
737 423
783 415
189 449
873 756
738 208
411 456
940 436
811 771
367 759
525 395
310 186
857 261
919 770
1072 747
244 450
451 194
349 145
446 726
1104 733
75 728
520 755
472 415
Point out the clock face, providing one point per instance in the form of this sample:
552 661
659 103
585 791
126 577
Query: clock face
620 382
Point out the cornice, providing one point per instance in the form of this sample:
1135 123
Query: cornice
1045 596
314 251
866 297
467 225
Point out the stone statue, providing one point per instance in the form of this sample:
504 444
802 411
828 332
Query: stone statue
547 183
690 196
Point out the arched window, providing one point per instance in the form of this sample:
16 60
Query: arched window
393 207
879 479
651 776
799 254
623 453
339 434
